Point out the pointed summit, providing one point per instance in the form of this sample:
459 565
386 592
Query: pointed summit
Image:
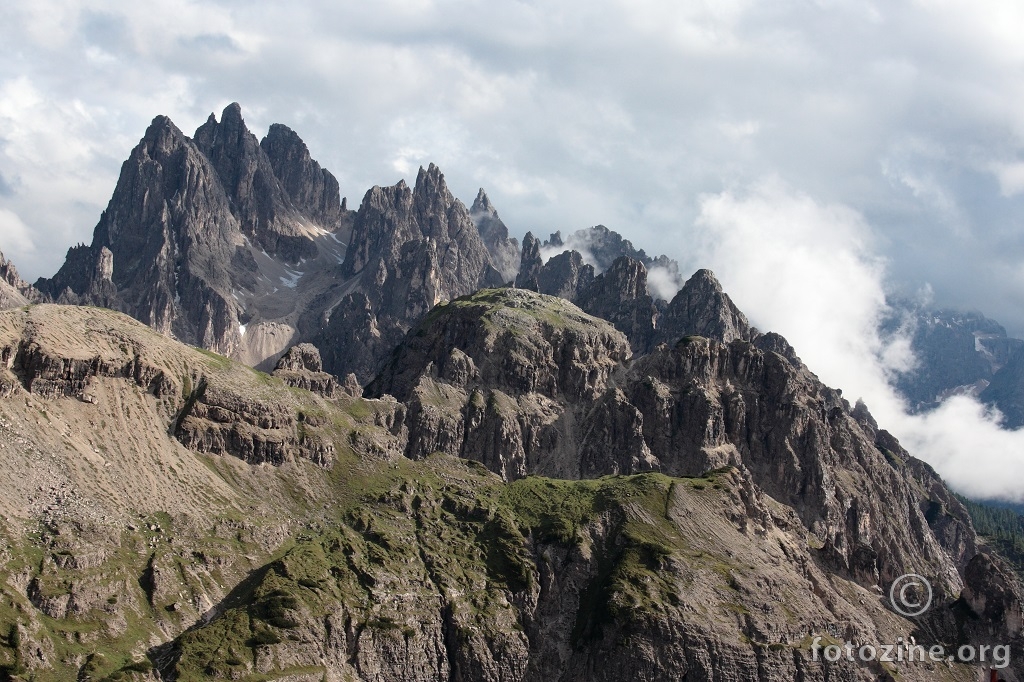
263 208
482 204
530 264
702 308
312 189
504 250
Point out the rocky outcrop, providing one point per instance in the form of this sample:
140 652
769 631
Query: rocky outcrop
604 246
411 249
14 291
48 375
702 308
524 382
620 296
995 598
301 367
504 250
313 190
220 421
210 414
526 366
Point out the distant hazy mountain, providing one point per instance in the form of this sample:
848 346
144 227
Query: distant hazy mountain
960 353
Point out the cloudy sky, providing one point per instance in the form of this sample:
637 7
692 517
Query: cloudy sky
816 154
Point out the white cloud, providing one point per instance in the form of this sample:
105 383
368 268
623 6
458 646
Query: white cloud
808 270
1010 176
805 270
662 283
15 237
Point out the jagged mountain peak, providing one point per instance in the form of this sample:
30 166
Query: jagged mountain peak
704 280
504 250
312 190
430 182
702 308
161 138
229 131
482 204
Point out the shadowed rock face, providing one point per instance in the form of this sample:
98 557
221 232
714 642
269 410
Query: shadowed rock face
529 384
14 291
410 250
530 264
173 247
259 201
173 241
246 248
620 296
311 189
503 249
701 308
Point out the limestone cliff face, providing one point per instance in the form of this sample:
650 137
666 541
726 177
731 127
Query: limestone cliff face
410 250
259 202
504 250
167 249
312 190
517 387
529 384
14 291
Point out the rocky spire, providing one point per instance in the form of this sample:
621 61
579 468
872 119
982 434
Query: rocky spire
701 308
312 189
620 296
530 264
504 250
262 206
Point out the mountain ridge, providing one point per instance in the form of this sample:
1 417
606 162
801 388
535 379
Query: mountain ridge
571 479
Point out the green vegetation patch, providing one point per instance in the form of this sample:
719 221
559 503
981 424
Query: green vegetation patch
1000 526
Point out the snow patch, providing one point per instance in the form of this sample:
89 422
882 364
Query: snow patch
292 280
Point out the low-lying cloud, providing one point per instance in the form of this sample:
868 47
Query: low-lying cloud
810 271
